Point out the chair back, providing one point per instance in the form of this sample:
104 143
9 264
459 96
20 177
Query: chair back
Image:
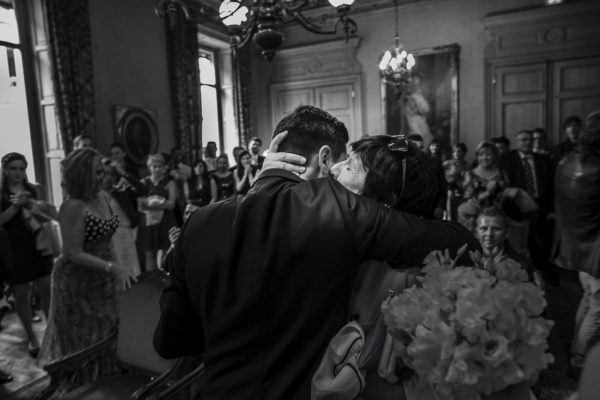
138 318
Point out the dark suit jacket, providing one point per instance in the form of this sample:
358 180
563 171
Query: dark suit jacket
260 284
544 173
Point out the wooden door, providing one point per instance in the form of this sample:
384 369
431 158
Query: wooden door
576 91
519 98
339 99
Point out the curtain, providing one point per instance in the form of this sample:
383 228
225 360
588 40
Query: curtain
182 53
242 93
72 71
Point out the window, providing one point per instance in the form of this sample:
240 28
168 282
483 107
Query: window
15 133
209 94
216 91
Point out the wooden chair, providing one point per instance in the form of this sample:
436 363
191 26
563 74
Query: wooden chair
147 376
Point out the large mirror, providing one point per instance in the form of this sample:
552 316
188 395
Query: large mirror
429 104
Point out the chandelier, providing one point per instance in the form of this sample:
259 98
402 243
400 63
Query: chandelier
260 20
395 64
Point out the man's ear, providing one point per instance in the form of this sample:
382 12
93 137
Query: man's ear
325 160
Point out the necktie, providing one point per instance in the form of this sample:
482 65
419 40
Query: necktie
529 182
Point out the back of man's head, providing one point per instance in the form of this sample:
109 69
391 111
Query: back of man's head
309 128
591 133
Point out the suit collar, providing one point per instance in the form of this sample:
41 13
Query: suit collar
278 173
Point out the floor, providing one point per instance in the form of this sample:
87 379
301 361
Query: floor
553 384
15 359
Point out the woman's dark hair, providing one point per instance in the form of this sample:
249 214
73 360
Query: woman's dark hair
572 120
460 146
413 190
239 159
7 159
204 177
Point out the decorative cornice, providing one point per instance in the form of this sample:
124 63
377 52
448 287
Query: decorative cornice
321 60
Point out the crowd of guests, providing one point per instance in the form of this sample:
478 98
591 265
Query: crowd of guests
116 224
112 221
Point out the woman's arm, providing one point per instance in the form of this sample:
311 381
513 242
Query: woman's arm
239 183
170 203
213 190
9 213
186 191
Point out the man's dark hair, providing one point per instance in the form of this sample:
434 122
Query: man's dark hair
572 120
541 131
416 194
255 139
308 129
80 138
460 146
501 140
590 137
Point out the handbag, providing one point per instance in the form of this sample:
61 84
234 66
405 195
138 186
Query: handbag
339 377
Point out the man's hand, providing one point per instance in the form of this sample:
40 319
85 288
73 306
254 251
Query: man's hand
288 161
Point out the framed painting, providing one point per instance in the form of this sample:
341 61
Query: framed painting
429 104
137 131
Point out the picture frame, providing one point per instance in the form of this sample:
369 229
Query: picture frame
137 131
429 105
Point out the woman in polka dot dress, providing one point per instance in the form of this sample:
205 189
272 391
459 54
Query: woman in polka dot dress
86 282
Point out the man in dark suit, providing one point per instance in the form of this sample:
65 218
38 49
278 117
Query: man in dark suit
254 146
533 173
262 291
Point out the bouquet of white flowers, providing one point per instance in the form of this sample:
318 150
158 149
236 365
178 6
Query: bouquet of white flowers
470 330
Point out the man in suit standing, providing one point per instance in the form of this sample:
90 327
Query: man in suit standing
262 292
533 173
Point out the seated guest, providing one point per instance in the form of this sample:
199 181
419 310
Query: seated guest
572 129
210 156
245 174
467 214
222 180
486 182
492 232
236 156
197 189
254 146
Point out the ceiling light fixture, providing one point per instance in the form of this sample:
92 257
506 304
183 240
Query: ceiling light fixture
261 20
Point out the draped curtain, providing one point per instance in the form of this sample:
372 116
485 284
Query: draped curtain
72 71
182 53
242 93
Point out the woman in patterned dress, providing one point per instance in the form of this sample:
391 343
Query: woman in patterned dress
486 182
86 282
